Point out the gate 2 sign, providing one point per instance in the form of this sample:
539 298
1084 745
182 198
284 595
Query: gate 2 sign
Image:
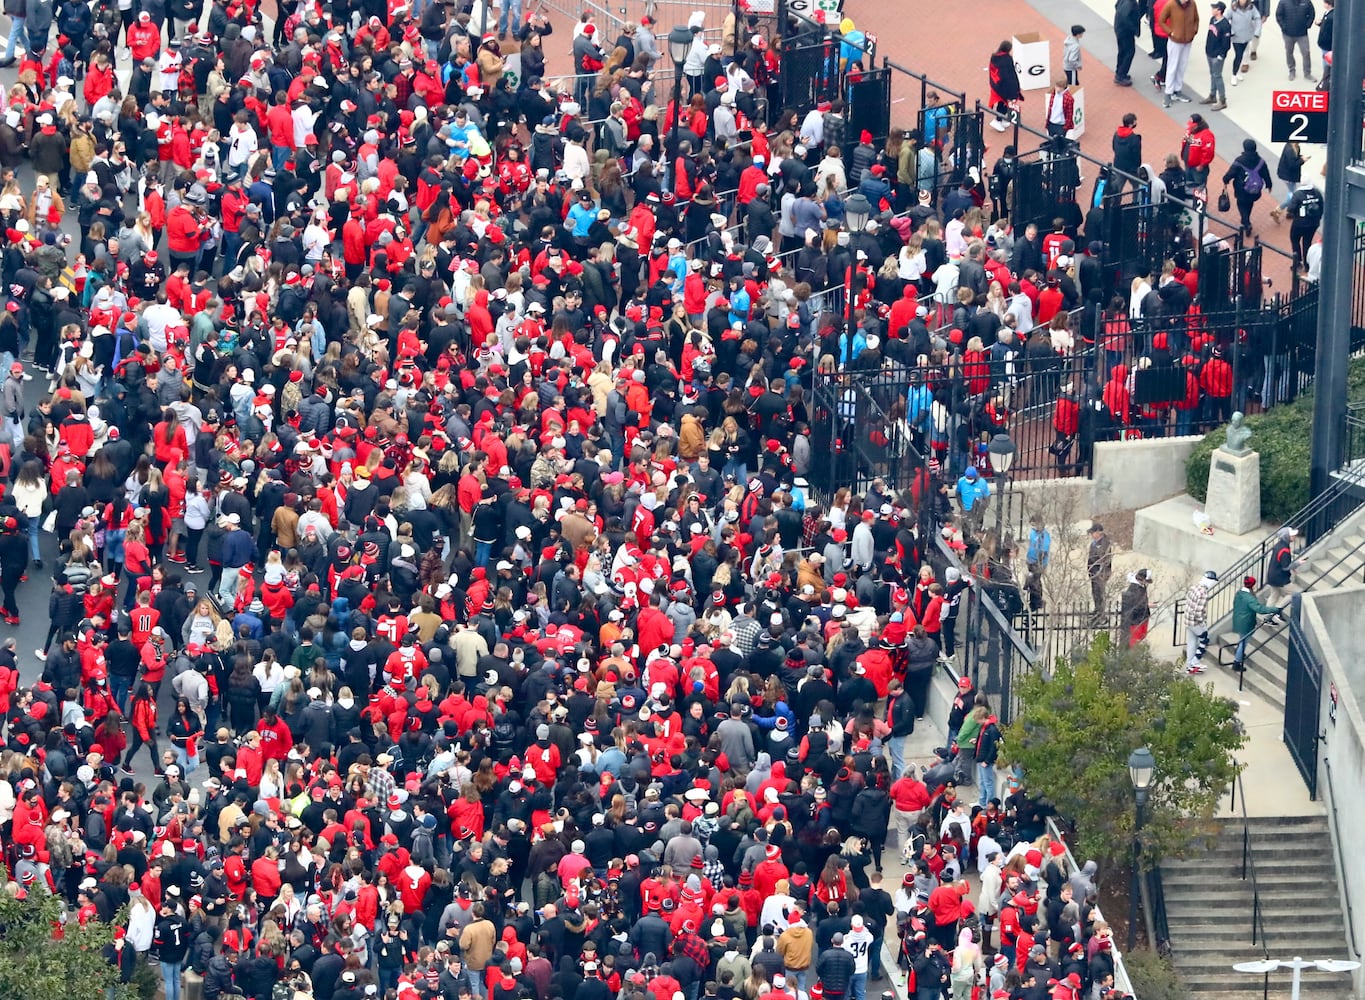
1298 116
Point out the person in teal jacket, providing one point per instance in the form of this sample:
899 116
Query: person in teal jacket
1245 608
972 493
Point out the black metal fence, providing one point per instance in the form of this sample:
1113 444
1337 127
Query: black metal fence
1122 380
992 652
1056 633
1302 703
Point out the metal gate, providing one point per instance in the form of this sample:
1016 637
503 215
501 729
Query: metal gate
856 428
809 71
1230 272
1045 188
954 133
1302 703
869 105
1134 238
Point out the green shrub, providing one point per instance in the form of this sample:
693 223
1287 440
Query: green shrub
1152 976
1283 437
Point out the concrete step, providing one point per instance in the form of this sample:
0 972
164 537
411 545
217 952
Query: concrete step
1215 946
1229 985
1285 868
1274 910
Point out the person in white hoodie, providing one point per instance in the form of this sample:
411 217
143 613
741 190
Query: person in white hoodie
141 921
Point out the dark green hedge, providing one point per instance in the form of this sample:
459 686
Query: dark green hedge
1283 436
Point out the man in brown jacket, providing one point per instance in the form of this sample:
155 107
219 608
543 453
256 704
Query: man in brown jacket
796 945
477 940
1180 20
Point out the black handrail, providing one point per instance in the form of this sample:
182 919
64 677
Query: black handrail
1270 633
1249 869
1341 858
1315 521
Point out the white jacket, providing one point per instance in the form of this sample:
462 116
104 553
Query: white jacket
141 925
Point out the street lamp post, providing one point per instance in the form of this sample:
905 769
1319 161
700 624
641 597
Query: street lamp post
1001 449
679 44
1141 765
857 210
1269 965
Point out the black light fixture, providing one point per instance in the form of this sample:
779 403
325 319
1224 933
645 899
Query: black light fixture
1001 449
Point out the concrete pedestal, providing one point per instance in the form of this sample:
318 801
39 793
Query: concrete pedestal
1234 495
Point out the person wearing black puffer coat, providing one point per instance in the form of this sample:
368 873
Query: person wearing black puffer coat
835 968
872 815
220 975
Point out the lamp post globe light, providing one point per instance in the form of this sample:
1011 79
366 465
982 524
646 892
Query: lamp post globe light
857 210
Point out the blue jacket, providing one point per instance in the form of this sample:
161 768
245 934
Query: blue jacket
969 491
238 549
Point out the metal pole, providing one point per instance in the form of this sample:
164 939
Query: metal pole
672 169
1345 193
999 509
1137 870
738 19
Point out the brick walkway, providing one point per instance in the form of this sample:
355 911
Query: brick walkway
962 64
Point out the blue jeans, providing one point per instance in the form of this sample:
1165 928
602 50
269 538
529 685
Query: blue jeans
512 7
857 986
232 242
985 780
1242 646
188 764
278 156
34 527
17 27
227 586
481 552
170 978
798 976
896 744
118 687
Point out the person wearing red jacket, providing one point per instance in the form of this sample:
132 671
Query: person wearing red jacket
1116 401
144 38
876 664
77 434
1216 381
770 871
749 180
1198 150
354 247
276 740
1066 424
412 885
99 79
1187 408
265 876
949 905
232 206
184 234
279 121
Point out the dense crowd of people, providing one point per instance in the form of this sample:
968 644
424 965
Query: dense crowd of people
433 468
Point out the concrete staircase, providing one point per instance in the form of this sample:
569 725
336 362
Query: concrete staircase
1209 908
1337 560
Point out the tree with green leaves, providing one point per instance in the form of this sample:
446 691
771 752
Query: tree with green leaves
34 962
1076 727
